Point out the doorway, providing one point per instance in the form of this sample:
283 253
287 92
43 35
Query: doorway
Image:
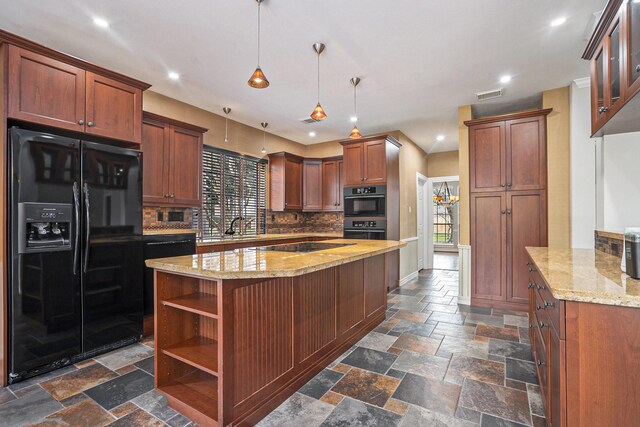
438 222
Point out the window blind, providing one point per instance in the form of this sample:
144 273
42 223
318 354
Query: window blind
233 186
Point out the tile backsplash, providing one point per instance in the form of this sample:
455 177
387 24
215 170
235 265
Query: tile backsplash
610 243
304 222
150 217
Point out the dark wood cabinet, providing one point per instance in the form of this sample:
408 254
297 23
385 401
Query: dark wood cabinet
172 162
55 93
332 185
365 162
508 170
312 185
113 109
285 182
614 52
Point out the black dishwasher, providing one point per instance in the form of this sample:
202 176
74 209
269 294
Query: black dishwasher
163 246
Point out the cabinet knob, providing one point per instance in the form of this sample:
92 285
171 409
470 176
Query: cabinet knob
637 68
540 363
503 212
90 124
502 185
530 285
509 185
531 326
542 325
365 178
81 122
173 196
538 307
167 196
548 304
603 109
508 211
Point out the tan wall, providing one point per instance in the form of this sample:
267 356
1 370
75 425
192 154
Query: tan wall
558 166
242 138
412 159
464 113
443 164
558 169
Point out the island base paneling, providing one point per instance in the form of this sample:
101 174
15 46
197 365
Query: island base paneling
231 351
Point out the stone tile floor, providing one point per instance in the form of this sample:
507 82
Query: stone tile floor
431 363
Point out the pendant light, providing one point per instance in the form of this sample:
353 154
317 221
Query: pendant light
264 137
355 132
318 112
258 80
226 110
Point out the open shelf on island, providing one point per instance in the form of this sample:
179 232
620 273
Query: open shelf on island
197 390
200 303
199 352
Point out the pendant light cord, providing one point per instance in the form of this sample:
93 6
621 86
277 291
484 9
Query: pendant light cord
259 3
318 78
355 102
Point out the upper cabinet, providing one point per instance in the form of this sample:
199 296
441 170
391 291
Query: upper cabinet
614 52
48 88
172 162
365 162
285 182
312 185
332 184
508 154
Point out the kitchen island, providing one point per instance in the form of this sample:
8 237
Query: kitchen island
237 332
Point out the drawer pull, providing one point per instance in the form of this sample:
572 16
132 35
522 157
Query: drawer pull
531 326
542 325
540 363
538 307
548 304
530 285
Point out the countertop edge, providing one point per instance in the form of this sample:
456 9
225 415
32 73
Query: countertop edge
267 275
283 236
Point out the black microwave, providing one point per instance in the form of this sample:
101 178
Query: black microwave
365 201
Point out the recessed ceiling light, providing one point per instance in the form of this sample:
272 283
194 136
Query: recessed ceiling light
558 21
173 75
354 119
312 134
102 23
440 138
505 79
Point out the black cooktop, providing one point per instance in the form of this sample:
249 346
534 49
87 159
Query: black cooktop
304 247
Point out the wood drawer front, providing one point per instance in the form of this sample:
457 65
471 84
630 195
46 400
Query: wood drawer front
555 310
543 321
542 362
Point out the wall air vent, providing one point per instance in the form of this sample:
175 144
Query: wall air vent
484 96
309 121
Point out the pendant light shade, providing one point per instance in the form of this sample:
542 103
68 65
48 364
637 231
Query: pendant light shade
258 80
226 110
355 132
318 112
264 137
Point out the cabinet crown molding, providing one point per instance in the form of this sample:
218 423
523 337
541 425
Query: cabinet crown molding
372 138
609 13
510 116
15 40
152 117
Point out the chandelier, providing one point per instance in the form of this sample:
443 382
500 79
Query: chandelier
444 197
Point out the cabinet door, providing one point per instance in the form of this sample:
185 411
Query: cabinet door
340 185
45 91
375 162
598 108
312 184
487 157
526 150
330 178
526 226
631 19
113 109
292 184
488 245
613 92
557 393
375 285
186 165
350 310
353 174
155 169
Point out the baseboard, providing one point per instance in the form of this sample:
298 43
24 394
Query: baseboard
409 278
464 276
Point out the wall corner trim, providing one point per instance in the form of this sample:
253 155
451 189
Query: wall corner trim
582 82
464 275
409 278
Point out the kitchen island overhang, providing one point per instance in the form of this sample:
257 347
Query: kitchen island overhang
238 332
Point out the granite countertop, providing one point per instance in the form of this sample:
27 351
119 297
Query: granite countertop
161 231
586 275
213 241
611 234
251 263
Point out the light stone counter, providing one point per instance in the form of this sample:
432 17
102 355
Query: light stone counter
585 275
162 231
251 263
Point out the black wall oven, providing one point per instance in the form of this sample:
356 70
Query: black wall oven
365 202
366 229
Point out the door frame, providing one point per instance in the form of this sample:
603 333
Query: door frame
422 211
428 219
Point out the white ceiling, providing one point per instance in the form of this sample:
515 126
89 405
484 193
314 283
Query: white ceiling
418 59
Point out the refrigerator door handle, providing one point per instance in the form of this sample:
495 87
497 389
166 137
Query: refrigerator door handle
87 207
76 203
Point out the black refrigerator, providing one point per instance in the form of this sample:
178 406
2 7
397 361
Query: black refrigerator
76 266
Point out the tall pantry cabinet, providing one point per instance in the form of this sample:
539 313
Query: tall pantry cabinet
508 200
